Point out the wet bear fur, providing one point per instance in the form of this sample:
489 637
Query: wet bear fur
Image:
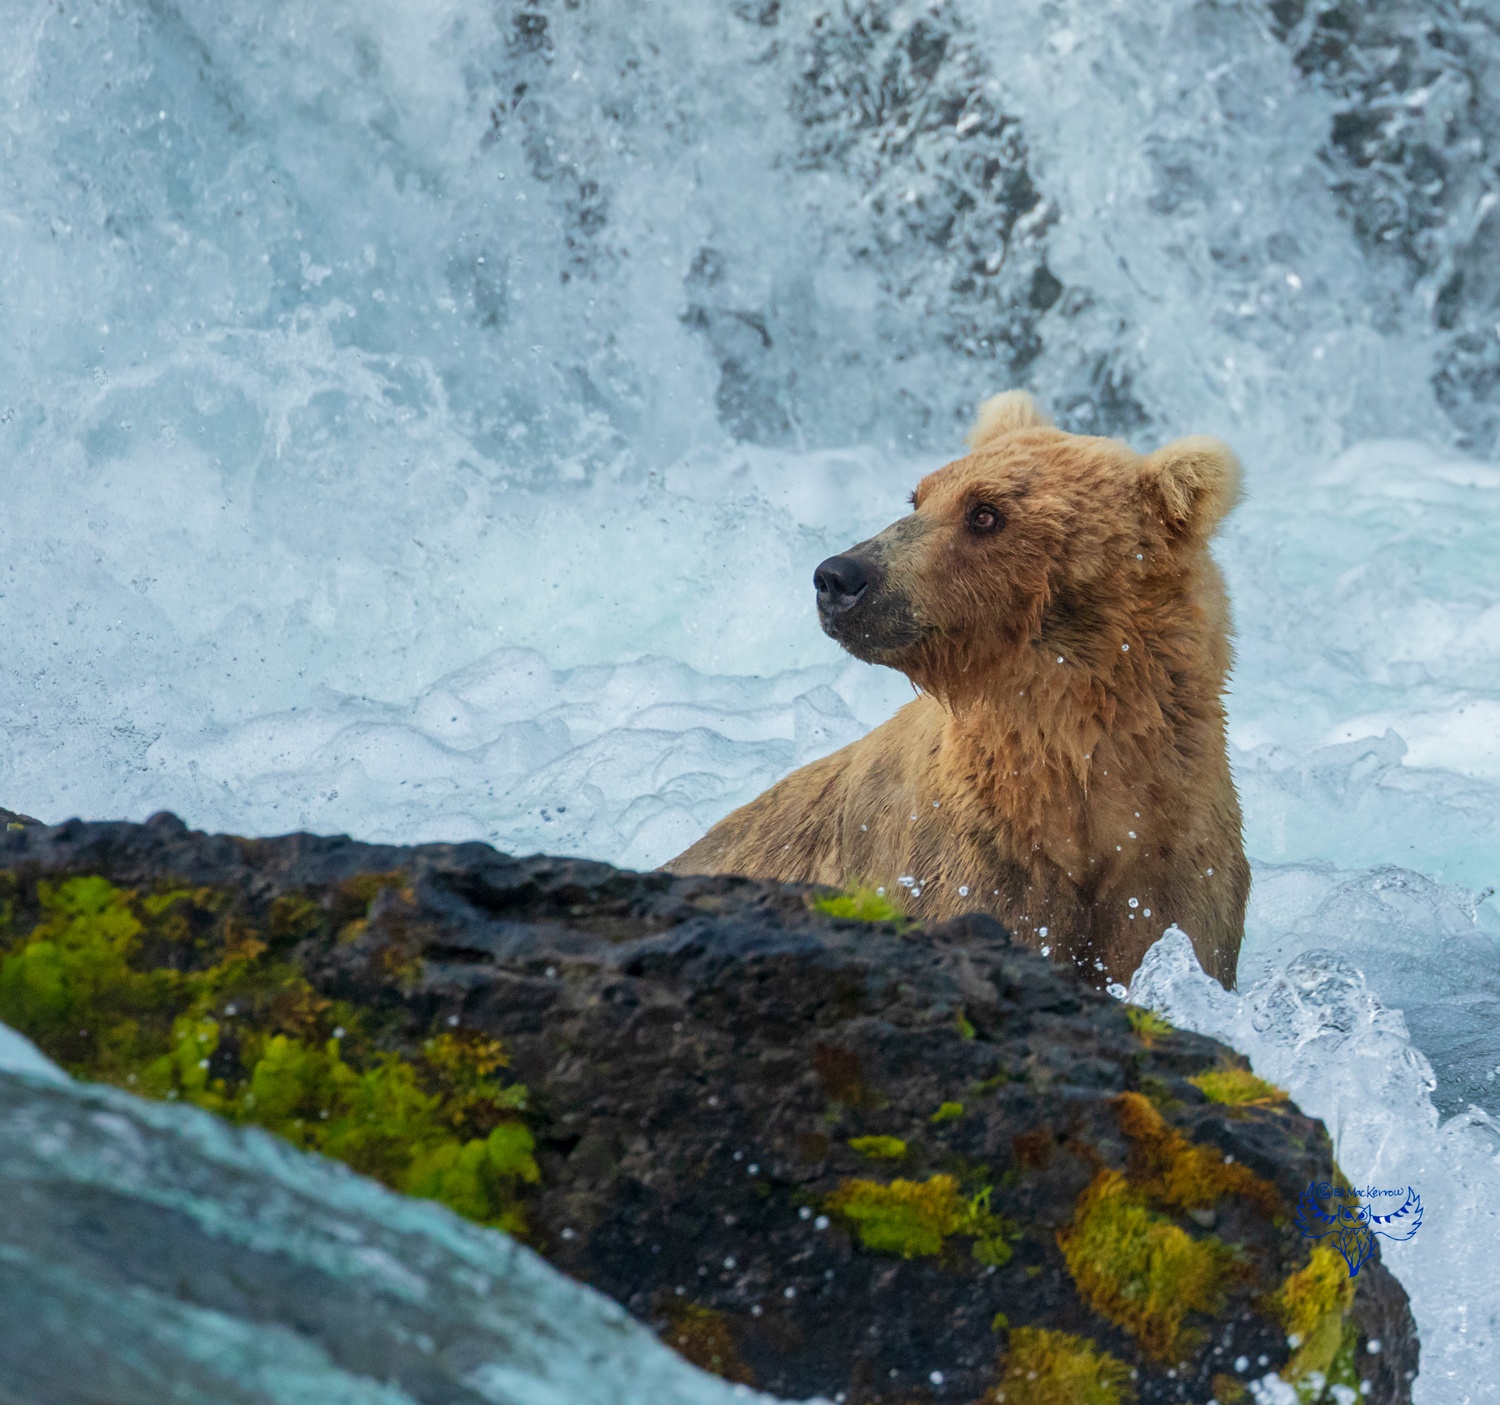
1052 598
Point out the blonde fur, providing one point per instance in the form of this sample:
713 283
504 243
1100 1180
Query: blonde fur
1065 765
1000 414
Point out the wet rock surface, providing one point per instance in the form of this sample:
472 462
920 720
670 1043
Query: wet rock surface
868 1161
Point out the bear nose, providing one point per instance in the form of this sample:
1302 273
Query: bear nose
840 581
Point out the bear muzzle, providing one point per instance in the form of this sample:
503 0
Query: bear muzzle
841 582
858 607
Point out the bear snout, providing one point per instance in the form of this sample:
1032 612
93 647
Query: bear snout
840 582
858 607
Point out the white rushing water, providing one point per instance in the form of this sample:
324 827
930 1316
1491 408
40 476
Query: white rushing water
421 420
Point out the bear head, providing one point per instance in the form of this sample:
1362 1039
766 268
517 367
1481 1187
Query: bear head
1038 546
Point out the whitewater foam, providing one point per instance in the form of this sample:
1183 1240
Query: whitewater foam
423 421
1313 1026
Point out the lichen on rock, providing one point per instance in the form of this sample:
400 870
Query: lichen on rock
1175 1172
1313 1304
171 995
1143 1272
916 1218
1237 1087
1058 1368
679 1083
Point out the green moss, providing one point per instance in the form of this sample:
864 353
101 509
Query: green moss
172 995
1057 1368
1237 1087
1161 1093
859 905
293 918
1140 1270
1312 1305
1341 1370
879 1148
992 1233
1148 1025
915 1218
948 1112
910 1218
965 1026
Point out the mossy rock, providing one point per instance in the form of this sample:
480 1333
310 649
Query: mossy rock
819 1155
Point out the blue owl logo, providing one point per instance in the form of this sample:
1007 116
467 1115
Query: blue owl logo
1351 1226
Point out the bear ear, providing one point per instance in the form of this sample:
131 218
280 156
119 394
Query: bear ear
1000 414
1191 484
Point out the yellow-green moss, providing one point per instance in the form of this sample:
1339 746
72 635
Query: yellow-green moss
1342 1370
1312 1305
992 1233
860 905
1228 1390
1237 1087
1056 1368
915 1218
1148 1025
1170 1169
879 1148
948 1112
172 995
910 1218
1140 1270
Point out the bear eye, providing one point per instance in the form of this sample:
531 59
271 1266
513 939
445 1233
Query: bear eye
985 519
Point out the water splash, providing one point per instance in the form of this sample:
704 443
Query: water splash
1314 1027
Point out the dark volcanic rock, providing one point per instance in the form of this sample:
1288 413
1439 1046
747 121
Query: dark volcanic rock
823 1156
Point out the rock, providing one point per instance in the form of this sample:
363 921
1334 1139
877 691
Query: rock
865 1160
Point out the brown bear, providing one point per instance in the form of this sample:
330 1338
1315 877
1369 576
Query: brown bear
1063 767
